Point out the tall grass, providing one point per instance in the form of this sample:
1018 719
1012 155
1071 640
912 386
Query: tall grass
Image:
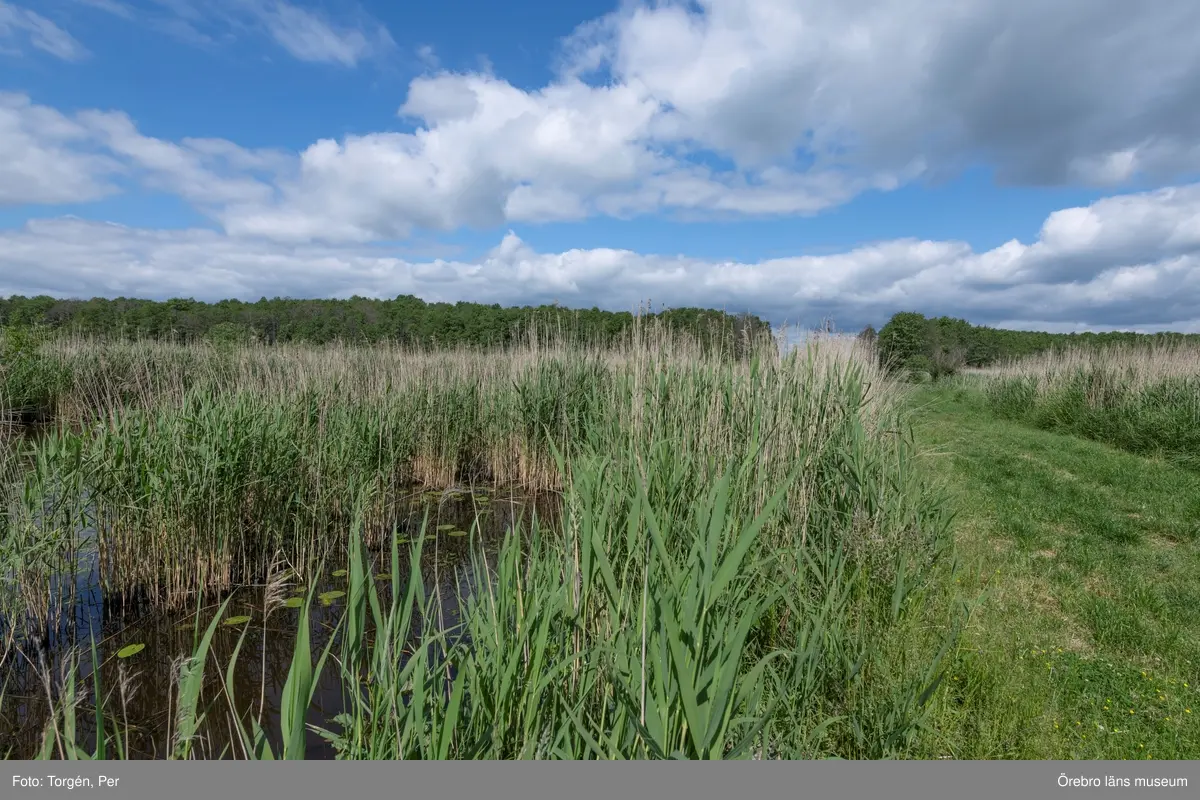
1142 399
30 380
653 623
255 452
730 572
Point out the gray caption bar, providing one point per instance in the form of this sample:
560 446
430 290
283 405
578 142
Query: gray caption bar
748 780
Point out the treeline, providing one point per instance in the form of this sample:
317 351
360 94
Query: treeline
405 320
943 345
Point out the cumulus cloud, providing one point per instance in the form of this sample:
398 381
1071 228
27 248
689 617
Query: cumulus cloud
18 25
206 172
732 108
1129 262
770 107
48 157
490 153
485 152
1047 92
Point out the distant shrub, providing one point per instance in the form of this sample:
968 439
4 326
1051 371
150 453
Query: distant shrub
946 361
903 342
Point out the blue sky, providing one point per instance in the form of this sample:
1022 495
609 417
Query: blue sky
1010 161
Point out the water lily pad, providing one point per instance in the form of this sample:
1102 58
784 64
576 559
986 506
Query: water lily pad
458 533
327 598
238 620
383 576
293 602
483 499
300 590
339 573
431 537
130 650
442 528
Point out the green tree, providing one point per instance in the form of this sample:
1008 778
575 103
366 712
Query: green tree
904 342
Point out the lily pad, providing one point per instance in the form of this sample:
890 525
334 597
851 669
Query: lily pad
239 620
339 573
130 650
383 576
443 528
300 590
431 537
327 598
293 602
458 533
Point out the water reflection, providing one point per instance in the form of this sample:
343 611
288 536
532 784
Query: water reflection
138 690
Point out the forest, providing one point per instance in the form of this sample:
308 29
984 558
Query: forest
406 320
942 345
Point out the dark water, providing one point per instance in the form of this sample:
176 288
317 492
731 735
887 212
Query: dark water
145 709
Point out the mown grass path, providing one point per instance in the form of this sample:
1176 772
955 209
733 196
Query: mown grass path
1085 562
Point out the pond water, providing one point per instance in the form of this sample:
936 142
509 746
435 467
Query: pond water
147 705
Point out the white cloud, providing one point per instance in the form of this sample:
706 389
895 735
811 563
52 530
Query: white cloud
491 153
427 56
206 172
114 7
721 108
770 107
1042 90
1094 267
18 24
305 34
485 152
308 37
47 157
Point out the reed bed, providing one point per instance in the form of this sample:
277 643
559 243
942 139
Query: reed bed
730 573
196 467
653 622
1142 399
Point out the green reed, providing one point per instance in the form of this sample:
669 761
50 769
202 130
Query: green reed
650 622
729 573
199 489
1144 400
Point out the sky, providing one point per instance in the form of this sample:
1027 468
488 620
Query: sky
1019 163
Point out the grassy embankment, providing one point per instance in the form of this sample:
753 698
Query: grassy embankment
1087 643
1144 400
740 566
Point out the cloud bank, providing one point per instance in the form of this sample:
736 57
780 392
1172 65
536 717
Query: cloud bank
1129 261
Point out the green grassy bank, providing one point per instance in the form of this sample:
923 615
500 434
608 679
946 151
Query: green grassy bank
1086 641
